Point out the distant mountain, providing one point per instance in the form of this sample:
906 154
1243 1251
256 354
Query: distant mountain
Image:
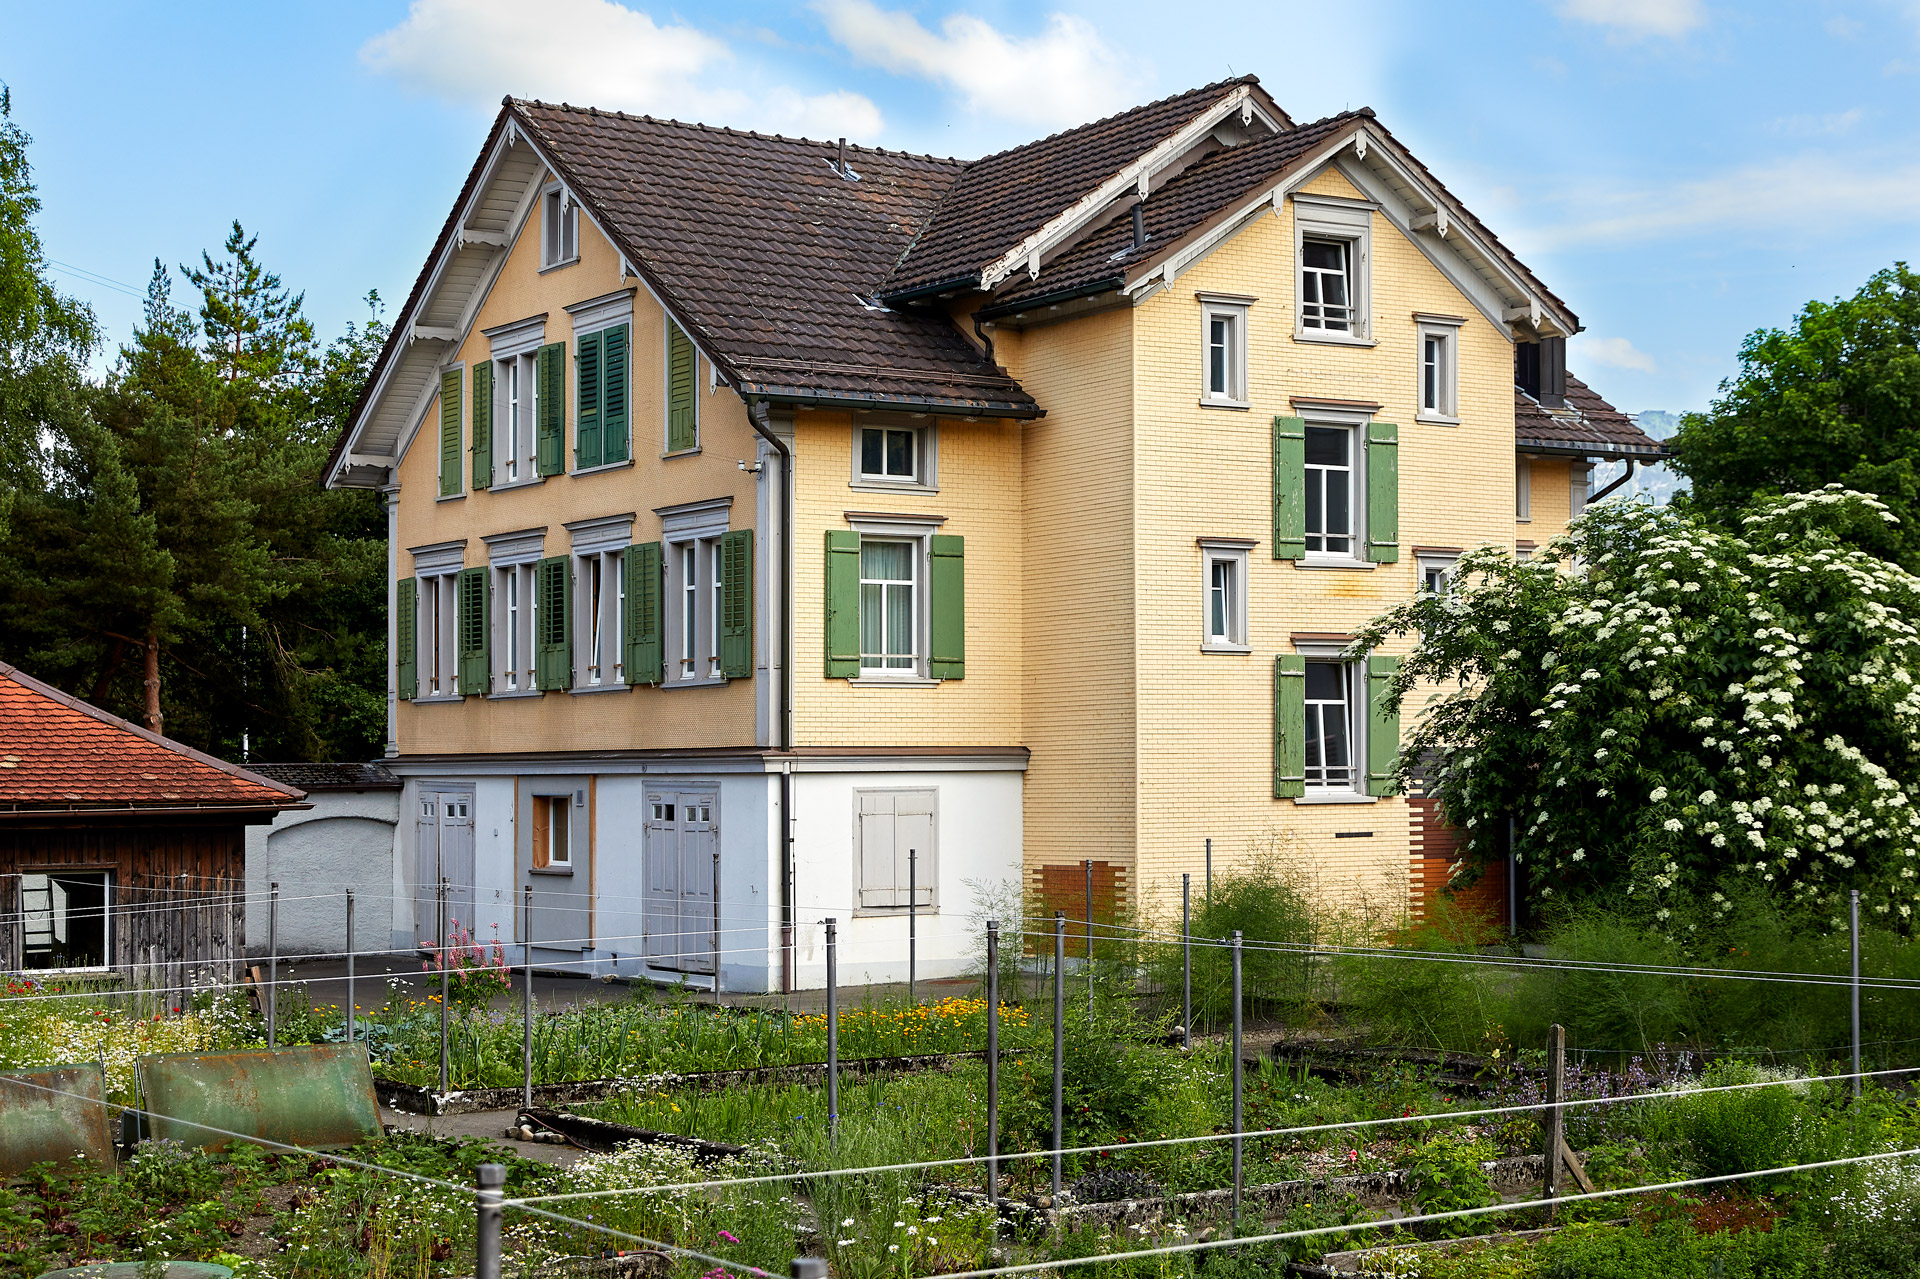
1656 483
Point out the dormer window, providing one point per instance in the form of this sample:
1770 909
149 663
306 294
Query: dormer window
560 228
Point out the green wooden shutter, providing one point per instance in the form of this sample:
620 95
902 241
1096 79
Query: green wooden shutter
406 638
1383 726
646 651
552 641
482 425
1289 488
586 410
616 377
450 433
947 608
843 603
550 379
682 424
1383 492
473 630
736 603
1289 726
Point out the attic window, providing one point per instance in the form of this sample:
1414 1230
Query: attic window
560 228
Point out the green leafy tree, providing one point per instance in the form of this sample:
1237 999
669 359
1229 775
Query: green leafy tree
1659 705
45 337
1835 399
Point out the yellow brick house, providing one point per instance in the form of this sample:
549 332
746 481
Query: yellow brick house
783 530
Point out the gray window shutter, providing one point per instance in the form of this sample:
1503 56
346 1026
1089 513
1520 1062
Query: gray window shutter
1383 726
878 857
736 604
1383 492
1289 726
406 639
947 602
843 603
1290 489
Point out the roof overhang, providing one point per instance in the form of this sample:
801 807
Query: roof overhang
176 814
1604 452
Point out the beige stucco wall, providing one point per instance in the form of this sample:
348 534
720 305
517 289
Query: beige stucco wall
557 721
977 475
1205 720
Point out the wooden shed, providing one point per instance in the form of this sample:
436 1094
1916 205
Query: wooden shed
120 850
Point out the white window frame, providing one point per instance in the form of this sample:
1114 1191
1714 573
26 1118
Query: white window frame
1333 653
1431 563
1228 555
926 454
919 534
436 621
926 869
1444 331
1355 426
599 551
514 348
691 533
49 873
512 557
559 227
1229 310
1320 217
1523 490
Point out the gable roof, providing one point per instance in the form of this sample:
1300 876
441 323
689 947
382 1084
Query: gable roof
60 754
1587 427
1001 200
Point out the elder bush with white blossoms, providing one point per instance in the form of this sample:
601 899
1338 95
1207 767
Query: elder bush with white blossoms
1659 707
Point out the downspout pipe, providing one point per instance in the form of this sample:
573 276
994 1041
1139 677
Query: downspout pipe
762 419
1624 477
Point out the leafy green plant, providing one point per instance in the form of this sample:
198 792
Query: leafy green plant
1446 1176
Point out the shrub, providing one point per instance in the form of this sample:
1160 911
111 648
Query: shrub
1422 1002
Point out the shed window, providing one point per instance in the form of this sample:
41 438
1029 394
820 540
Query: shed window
64 920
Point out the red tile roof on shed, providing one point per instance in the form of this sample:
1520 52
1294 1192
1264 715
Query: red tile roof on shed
57 753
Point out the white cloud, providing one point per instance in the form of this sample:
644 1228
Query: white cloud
1813 126
1841 27
1815 192
1064 75
1616 353
1636 19
597 53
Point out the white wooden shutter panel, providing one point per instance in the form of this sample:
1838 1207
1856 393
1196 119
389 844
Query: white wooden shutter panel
876 852
913 832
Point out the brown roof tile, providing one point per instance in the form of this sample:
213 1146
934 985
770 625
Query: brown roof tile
1588 425
771 258
58 752
1001 199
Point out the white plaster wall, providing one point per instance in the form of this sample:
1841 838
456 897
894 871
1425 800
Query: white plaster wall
979 838
346 840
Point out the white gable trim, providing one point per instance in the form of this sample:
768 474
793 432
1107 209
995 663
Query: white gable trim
1471 285
1028 253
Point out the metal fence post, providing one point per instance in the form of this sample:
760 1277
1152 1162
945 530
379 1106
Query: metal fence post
1186 962
1556 1118
1209 872
179 1000
809 1268
486 1243
441 930
1087 865
1239 1113
350 1008
273 964
993 1063
833 1028
526 997
716 928
1853 910
1059 1043
913 920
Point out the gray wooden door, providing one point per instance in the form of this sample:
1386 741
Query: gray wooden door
444 826
680 852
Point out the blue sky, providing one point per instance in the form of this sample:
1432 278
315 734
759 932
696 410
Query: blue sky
1680 171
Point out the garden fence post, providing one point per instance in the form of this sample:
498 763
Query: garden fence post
1853 911
1209 872
273 963
1556 1118
526 997
349 965
180 947
486 1244
1239 1114
1186 962
913 921
716 927
809 1268
1059 1044
441 931
993 1065
1087 865
833 1027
